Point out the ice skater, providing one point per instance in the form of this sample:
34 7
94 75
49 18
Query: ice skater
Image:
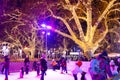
43 67
6 66
54 64
34 66
100 68
38 68
63 65
77 70
26 64
113 68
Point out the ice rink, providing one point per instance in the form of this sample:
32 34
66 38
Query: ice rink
51 75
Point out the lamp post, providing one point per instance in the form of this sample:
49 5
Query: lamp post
45 31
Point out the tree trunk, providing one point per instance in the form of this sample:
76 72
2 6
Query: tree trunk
32 54
88 54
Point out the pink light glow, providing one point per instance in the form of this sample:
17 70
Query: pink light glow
43 32
48 27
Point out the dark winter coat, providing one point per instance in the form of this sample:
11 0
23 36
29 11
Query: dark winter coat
6 63
43 64
102 70
26 61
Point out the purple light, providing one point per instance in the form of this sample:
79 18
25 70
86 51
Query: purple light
48 33
43 25
46 26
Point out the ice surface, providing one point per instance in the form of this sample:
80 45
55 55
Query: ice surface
51 75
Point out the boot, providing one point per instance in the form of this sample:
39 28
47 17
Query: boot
6 79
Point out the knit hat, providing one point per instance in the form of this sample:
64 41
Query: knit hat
112 62
79 63
104 54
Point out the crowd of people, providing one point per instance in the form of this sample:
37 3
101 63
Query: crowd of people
101 67
104 68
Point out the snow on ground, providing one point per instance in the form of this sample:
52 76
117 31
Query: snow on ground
51 75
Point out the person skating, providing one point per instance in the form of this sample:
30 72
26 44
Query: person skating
34 66
43 67
63 65
100 68
6 66
113 68
77 70
38 68
54 64
26 64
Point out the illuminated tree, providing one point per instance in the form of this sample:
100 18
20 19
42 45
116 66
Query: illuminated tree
20 31
111 41
87 21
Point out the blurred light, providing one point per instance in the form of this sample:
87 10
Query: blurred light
48 27
25 48
48 33
43 32
43 25
119 41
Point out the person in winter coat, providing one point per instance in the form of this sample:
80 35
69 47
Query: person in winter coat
54 64
6 66
113 68
26 64
100 68
94 68
43 66
77 70
64 65
34 66
38 68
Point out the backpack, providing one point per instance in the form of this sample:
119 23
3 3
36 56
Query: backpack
94 67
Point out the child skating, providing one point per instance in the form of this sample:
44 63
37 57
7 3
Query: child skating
77 70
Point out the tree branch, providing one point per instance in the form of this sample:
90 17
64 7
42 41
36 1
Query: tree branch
89 22
112 11
65 22
70 37
103 34
78 24
103 14
100 18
